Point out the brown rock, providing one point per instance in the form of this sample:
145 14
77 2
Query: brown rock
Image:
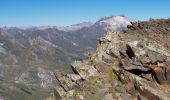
150 90
141 98
148 77
159 73
130 88
65 81
168 74
101 68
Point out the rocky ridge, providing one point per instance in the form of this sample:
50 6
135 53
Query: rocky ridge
129 65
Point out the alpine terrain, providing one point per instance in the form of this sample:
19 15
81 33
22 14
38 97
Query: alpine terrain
130 65
29 55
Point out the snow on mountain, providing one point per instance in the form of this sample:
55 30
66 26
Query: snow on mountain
115 22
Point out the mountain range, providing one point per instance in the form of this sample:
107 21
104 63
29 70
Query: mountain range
28 56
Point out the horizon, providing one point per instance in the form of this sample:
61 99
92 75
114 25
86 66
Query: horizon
19 13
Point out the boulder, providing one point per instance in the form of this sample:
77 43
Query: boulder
85 71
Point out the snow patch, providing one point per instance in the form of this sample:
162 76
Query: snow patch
114 22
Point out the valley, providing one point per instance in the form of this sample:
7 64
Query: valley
29 56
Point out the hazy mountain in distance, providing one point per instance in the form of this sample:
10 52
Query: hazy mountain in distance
75 27
87 36
29 55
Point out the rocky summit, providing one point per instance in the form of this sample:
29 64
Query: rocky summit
129 65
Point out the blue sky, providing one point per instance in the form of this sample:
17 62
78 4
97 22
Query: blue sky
66 12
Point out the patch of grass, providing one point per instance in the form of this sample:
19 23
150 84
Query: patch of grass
111 75
94 80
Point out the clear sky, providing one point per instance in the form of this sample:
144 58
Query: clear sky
66 12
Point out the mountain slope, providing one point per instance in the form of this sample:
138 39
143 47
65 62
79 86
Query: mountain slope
29 55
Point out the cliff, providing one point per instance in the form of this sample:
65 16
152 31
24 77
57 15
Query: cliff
129 65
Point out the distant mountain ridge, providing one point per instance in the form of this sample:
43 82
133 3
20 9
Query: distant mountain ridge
108 22
29 55
75 27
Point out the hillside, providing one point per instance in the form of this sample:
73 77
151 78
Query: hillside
28 56
128 65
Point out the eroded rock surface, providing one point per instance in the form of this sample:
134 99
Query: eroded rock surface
129 65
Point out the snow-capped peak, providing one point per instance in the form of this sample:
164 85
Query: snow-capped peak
115 22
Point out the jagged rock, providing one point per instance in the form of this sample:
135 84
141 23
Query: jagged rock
158 73
108 97
156 57
130 88
140 68
150 90
129 65
160 64
59 93
85 71
74 77
168 74
66 81
148 76
142 98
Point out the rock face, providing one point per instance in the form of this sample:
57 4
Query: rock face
129 65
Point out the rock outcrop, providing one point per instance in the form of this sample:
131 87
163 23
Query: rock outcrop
129 65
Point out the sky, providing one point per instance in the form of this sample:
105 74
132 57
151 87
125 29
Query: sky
67 12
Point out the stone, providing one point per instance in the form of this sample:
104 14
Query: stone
85 71
142 98
160 64
148 77
108 97
168 74
101 68
59 93
154 56
144 59
65 81
150 90
81 97
74 77
115 83
140 68
158 73
126 96
130 88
